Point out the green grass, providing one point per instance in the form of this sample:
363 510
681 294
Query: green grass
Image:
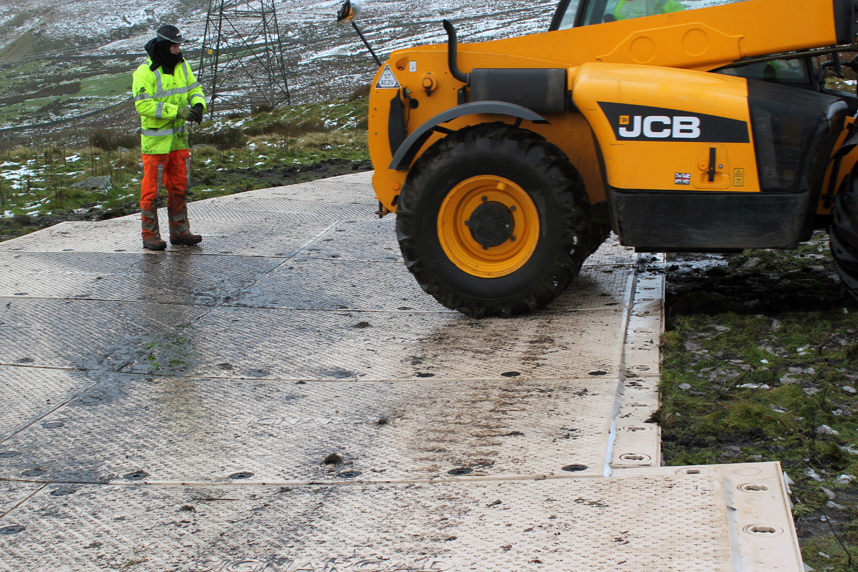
266 149
31 89
751 373
107 85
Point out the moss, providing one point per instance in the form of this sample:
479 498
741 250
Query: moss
754 374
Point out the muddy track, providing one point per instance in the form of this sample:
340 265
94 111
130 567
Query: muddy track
744 284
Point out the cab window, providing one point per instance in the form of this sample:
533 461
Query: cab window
788 71
586 12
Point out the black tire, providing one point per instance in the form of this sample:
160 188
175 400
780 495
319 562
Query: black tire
597 235
542 175
843 234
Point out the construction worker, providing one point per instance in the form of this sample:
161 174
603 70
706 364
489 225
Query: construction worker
637 8
167 96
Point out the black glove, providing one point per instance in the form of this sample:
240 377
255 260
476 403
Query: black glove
186 113
198 113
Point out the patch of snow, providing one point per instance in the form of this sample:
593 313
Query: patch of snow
17 176
809 472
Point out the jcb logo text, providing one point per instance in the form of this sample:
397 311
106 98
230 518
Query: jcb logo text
659 127
631 122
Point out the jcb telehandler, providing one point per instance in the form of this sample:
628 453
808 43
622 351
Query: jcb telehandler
683 125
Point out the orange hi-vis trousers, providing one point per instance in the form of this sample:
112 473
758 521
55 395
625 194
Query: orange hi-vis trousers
171 171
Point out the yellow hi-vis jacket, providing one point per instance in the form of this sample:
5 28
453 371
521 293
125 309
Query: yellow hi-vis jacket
158 97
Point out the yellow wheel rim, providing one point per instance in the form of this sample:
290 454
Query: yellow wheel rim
488 226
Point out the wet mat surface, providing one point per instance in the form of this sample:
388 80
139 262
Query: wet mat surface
568 524
204 430
285 397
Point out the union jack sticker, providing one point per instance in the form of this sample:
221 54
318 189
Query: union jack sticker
682 179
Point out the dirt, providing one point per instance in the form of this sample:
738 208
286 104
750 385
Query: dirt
714 284
291 175
777 286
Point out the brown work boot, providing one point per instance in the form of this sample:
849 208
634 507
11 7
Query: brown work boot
185 238
154 244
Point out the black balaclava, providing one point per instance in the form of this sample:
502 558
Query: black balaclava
159 50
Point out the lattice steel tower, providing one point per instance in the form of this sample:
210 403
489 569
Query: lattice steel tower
242 56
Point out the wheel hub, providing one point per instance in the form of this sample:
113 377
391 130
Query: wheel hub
491 224
488 226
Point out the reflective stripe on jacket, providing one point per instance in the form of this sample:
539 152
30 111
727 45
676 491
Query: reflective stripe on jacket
158 97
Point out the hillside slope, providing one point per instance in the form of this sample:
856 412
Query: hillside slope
62 61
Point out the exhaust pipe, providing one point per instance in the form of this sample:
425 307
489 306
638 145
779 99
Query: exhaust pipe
452 54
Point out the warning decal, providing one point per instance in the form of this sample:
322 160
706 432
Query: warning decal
387 79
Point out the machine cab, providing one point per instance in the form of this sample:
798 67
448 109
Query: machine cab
808 71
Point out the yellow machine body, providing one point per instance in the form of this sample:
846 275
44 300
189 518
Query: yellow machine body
702 40
508 161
